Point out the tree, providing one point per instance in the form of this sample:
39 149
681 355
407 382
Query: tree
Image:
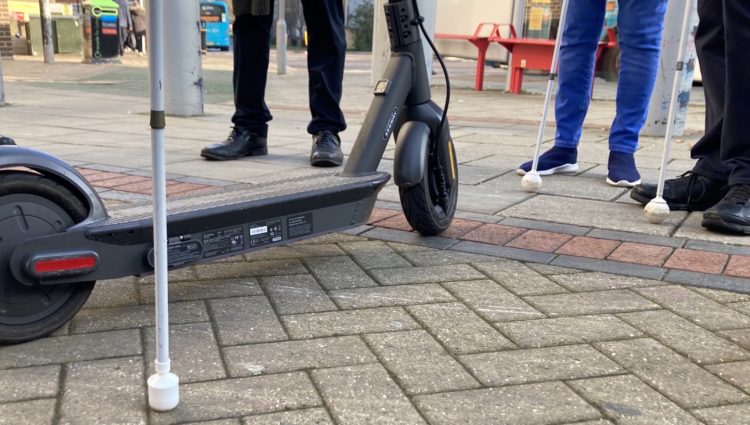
361 24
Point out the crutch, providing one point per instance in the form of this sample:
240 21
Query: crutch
532 181
657 210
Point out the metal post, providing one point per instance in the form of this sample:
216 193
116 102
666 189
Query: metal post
184 74
281 37
2 84
46 20
519 13
163 386
658 111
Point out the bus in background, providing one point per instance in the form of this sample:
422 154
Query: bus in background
215 21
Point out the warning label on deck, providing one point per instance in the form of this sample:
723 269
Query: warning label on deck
224 241
265 233
299 225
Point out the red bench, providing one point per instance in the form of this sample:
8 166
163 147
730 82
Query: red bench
527 53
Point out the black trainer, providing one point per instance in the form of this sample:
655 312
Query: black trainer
326 150
240 143
732 213
689 192
4 140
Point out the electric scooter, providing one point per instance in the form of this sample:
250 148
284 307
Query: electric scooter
57 238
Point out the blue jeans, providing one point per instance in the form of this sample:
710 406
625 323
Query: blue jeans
640 24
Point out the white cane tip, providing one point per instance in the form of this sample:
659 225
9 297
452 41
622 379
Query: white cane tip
656 211
531 182
163 391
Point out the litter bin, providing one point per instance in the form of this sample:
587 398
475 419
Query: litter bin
101 32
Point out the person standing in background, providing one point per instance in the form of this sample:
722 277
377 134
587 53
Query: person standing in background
124 22
138 17
325 65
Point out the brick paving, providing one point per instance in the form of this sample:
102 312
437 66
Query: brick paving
557 308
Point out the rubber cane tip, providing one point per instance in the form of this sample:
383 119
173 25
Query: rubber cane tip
531 182
656 211
163 391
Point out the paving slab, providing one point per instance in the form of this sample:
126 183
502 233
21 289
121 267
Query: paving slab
29 383
314 325
317 416
585 282
492 301
429 274
737 373
194 352
39 412
425 293
595 302
567 330
724 415
338 273
519 279
373 255
294 294
246 320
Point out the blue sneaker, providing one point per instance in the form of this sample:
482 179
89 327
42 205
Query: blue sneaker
555 160
622 170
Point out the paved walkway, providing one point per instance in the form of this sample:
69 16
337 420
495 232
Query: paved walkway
560 307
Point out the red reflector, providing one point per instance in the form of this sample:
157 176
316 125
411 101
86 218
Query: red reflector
61 265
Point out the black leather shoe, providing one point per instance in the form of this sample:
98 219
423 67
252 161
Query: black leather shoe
240 143
326 150
732 213
689 192
6 141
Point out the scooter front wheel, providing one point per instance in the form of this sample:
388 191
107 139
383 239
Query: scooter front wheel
430 205
32 206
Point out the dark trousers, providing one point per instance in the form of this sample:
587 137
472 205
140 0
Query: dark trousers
139 40
325 64
722 41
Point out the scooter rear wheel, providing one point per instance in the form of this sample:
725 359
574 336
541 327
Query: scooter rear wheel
429 206
31 206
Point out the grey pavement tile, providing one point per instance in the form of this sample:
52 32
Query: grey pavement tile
364 394
203 401
253 268
338 273
710 281
547 226
400 236
533 404
246 320
113 293
590 213
459 329
585 303
233 421
691 229
374 254
740 337
539 364
404 248
722 296
206 289
681 381
65 349
737 373
350 322
685 337
580 186
696 308
725 415
289 356
473 175
636 237
428 274
295 251
491 301
295 294
138 316
582 282
613 267
493 196
329 238
317 416
37 412
104 391
567 330
548 270
519 279
510 253
594 422
742 307
194 352
442 258
718 247
628 400
419 362
386 296
178 275
29 383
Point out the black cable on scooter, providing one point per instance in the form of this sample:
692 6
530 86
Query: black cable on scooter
419 21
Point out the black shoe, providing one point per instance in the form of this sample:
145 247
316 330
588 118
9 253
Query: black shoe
240 143
689 192
326 150
6 141
732 213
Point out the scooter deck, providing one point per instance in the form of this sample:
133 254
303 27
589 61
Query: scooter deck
206 227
